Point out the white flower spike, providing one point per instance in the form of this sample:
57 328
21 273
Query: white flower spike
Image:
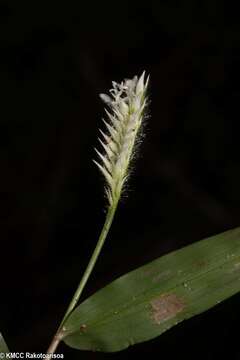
127 103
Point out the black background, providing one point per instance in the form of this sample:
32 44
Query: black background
56 59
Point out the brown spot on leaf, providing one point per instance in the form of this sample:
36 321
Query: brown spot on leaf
83 327
166 307
200 263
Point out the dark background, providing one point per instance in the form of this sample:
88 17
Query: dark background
56 59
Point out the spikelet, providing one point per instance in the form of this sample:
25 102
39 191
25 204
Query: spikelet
127 102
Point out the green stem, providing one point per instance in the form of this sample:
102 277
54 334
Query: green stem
60 332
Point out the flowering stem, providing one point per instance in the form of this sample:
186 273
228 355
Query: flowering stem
61 330
127 102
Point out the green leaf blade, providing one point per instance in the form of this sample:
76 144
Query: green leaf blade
151 299
3 346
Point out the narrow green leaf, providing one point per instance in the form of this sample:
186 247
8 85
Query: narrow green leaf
148 301
3 346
